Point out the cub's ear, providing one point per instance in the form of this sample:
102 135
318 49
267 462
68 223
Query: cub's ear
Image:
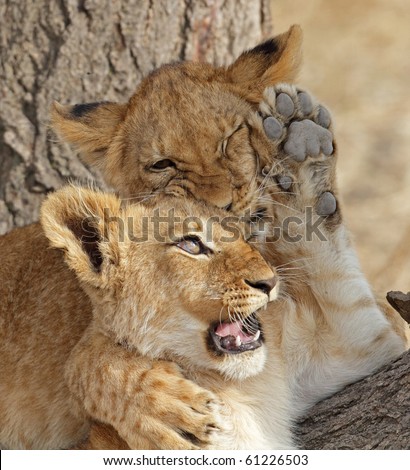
274 61
88 127
86 225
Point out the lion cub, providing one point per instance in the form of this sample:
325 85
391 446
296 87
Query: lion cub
186 291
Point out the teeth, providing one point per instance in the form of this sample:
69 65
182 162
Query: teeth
257 334
238 341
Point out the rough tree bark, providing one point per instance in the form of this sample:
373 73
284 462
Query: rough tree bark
371 414
86 50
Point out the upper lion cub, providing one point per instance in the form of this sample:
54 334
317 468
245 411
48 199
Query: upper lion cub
184 291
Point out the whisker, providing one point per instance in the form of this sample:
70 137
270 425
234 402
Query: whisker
294 261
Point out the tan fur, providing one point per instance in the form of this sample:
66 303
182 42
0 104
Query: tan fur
102 436
149 298
207 121
25 253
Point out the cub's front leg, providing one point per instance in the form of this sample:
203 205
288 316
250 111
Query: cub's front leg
334 331
149 403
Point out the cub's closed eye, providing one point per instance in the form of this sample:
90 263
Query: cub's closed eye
193 245
162 165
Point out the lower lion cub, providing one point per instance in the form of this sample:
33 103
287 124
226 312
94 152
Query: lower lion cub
187 294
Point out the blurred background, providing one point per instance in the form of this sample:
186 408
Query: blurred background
357 61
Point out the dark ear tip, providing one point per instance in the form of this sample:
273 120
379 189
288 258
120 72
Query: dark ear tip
79 110
75 111
268 47
276 44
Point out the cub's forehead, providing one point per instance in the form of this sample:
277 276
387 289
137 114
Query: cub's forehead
188 91
197 101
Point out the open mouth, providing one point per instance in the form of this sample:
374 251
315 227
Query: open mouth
236 337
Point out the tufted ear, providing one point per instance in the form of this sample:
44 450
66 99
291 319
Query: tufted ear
274 61
88 127
82 223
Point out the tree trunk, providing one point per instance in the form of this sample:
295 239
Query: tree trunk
91 50
371 414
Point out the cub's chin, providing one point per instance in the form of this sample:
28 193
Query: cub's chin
237 348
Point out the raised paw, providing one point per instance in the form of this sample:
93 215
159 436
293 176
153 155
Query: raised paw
299 163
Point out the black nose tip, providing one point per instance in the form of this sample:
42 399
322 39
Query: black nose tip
265 285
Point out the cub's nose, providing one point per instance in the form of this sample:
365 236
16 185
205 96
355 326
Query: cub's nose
265 285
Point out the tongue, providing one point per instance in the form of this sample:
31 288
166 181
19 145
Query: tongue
233 329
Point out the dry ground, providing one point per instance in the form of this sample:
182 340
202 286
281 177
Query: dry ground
357 61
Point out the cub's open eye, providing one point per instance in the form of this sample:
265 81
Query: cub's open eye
193 245
161 165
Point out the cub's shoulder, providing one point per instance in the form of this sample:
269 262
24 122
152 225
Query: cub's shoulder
26 247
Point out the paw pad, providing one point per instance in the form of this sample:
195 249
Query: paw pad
307 138
323 117
305 102
273 127
326 204
284 105
285 182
